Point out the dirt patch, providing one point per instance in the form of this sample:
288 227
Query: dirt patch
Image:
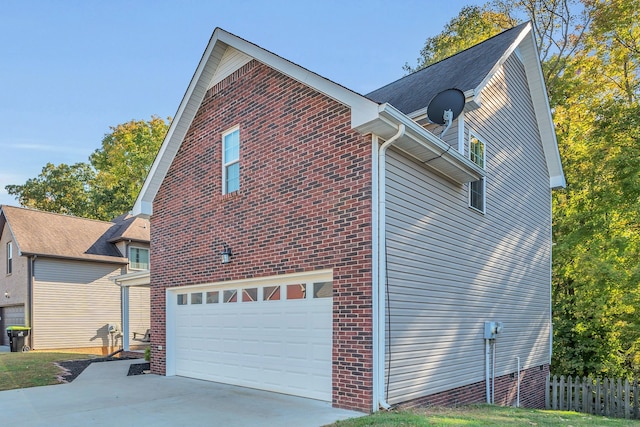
73 368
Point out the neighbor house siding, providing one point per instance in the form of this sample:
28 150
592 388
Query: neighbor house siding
16 282
74 301
304 204
450 268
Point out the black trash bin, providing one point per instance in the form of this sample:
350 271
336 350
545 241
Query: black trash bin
17 335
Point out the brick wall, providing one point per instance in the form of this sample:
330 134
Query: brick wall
532 389
304 204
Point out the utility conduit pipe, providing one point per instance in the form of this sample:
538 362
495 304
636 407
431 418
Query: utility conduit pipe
382 269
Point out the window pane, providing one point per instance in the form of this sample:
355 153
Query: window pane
477 195
212 297
271 293
233 177
196 298
323 290
476 151
230 295
296 291
139 258
249 295
182 299
232 147
9 257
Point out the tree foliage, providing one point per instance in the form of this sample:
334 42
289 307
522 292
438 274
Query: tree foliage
590 57
108 185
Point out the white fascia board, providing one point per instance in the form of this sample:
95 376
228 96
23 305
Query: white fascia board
538 90
179 126
362 109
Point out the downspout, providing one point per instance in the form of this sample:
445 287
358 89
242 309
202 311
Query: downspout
28 307
380 289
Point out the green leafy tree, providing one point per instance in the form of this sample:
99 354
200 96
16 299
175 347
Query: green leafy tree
107 186
62 188
123 162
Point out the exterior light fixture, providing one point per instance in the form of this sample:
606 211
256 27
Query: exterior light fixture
6 295
226 254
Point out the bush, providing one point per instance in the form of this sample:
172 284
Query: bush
147 354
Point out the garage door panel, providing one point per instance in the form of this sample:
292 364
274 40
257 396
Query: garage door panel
282 345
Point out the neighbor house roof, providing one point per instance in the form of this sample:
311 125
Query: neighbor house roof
383 112
62 236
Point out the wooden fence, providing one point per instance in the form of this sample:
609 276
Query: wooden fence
608 397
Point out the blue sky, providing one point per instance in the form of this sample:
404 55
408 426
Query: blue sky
71 69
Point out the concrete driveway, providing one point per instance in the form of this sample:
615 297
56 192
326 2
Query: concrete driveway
103 395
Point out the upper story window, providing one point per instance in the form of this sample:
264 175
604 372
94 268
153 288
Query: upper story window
138 258
231 160
477 189
9 257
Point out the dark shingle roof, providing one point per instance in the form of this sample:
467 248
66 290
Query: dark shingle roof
63 236
464 70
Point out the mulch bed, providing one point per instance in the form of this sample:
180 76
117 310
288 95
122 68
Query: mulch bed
73 368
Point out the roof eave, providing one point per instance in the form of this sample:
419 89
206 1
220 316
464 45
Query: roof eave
423 146
105 259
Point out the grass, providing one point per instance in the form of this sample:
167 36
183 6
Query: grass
33 369
485 416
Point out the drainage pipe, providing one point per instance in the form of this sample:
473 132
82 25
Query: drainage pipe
380 289
487 377
518 382
493 374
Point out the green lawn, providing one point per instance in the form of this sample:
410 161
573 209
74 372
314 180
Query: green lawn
33 369
483 416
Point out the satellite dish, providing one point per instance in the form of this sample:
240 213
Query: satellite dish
447 100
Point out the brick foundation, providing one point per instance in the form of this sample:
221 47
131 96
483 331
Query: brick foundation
532 389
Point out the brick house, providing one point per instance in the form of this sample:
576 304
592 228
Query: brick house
313 241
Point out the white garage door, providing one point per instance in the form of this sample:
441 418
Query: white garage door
265 335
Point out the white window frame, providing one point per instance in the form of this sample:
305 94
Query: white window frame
9 258
131 267
225 163
483 180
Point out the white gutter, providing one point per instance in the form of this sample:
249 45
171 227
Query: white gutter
379 288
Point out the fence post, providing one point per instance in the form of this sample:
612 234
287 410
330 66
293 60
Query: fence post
554 400
635 399
547 391
562 391
597 404
569 393
627 399
586 393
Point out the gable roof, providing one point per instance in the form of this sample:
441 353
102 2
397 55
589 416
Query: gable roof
465 71
376 113
61 236
470 71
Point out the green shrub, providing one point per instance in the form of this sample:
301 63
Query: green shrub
147 354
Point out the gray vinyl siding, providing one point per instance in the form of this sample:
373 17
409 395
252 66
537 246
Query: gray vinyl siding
74 302
450 268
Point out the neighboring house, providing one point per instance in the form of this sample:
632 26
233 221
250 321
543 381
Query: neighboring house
359 273
58 277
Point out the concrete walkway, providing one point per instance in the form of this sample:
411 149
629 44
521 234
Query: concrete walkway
103 395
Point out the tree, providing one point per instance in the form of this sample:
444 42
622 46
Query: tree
107 186
63 189
123 162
